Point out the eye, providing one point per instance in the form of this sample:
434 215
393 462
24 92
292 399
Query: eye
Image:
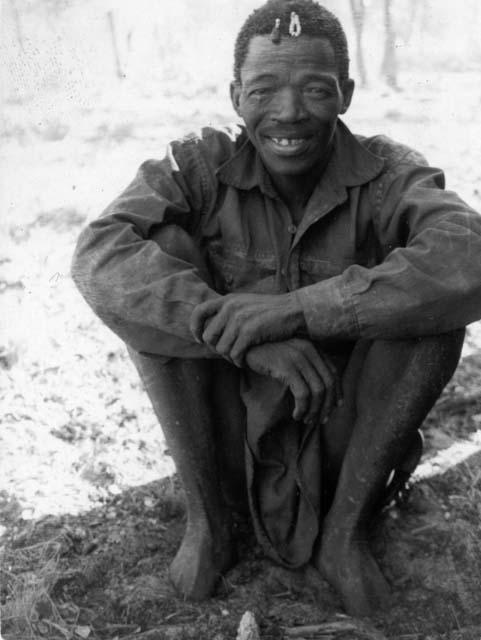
317 91
260 92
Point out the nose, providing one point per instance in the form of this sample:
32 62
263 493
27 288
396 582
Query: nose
289 106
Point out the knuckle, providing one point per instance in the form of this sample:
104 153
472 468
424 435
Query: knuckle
297 360
241 341
228 306
303 346
222 350
329 382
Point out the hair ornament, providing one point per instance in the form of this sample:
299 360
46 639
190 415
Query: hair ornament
295 25
276 32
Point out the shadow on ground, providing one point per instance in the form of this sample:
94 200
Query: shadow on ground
103 574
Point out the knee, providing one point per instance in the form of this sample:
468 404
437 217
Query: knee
427 360
172 381
186 372
452 342
178 243
441 351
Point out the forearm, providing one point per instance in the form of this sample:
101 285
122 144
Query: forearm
143 294
401 298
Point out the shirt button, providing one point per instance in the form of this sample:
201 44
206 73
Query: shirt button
292 228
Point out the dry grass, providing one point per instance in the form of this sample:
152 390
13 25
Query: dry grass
28 577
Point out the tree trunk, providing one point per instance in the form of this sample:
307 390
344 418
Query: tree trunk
115 47
389 62
358 10
18 26
413 12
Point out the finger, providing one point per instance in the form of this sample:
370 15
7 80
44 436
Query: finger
244 340
329 398
227 339
202 312
330 377
301 395
316 391
337 381
253 327
214 328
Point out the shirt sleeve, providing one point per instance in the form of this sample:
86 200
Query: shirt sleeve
142 293
429 281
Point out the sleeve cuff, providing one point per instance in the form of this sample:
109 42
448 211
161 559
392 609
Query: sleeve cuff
328 310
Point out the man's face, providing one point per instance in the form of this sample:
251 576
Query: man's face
289 98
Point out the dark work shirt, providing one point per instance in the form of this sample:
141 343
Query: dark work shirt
382 250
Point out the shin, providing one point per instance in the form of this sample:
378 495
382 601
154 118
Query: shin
399 382
181 394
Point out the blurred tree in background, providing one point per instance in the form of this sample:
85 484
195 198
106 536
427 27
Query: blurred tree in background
78 45
389 66
358 8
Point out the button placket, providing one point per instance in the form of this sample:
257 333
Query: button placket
287 270
292 230
293 279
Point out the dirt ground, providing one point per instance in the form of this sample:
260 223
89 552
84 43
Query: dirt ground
90 511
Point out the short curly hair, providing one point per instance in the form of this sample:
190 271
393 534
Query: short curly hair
315 20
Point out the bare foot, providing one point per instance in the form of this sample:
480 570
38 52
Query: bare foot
349 566
201 559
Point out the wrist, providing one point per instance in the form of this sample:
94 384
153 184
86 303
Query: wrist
295 312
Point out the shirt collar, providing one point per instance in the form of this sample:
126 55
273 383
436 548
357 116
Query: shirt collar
350 164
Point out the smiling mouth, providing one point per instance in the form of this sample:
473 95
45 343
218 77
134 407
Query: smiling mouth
288 142
287 146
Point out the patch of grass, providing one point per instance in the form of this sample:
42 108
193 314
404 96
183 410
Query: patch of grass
28 578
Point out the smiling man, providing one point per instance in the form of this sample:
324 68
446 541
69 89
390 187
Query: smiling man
289 96
294 298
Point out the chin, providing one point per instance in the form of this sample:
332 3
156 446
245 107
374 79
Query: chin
292 167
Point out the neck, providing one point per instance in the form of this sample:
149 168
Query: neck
296 190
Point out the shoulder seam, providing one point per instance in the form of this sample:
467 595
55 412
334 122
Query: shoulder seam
191 143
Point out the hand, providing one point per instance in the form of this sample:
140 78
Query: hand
311 377
232 324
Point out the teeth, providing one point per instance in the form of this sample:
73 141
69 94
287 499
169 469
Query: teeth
288 142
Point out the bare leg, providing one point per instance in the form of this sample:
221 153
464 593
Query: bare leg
183 394
179 394
398 384
229 422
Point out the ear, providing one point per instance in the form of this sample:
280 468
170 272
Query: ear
347 92
235 91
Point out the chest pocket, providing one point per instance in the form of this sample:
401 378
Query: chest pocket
314 270
235 270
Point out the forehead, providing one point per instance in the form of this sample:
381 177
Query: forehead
305 53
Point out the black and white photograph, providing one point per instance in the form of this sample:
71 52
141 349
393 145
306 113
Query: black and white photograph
240 328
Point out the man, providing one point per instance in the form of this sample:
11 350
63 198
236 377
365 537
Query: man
294 298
